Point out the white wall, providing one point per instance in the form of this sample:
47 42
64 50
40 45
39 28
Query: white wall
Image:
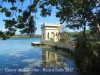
60 44
45 30
46 34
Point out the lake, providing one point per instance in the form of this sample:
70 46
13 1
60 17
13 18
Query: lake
19 57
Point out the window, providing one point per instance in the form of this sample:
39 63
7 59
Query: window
52 34
43 35
56 33
48 35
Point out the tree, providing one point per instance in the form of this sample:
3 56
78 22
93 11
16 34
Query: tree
78 13
18 18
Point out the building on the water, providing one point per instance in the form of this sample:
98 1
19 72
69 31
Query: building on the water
51 36
51 31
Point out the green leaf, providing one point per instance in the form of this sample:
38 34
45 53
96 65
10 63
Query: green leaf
13 8
19 10
3 9
0 6
22 1
8 13
12 1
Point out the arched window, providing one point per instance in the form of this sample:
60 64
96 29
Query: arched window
56 33
52 34
48 35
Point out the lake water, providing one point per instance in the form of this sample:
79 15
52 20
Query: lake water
19 57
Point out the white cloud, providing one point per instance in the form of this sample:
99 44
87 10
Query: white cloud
29 60
33 62
2 29
16 54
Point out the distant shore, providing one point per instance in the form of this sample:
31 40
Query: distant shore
26 36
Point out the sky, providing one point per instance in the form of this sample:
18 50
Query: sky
39 21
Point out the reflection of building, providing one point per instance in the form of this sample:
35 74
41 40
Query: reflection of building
52 36
50 31
52 58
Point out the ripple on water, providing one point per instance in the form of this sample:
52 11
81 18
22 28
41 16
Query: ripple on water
18 53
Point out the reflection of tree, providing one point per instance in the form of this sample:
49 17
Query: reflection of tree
51 58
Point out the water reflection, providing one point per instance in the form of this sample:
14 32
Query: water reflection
37 58
55 58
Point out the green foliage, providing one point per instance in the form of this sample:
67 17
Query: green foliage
0 6
51 39
8 14
3 10
75 13
12 1
22 0
73 34
45 12
18 18
87 54
13 8
19 10
10 23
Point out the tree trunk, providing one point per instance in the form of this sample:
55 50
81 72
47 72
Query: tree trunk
84 34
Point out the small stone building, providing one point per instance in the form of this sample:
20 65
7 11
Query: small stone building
50 31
